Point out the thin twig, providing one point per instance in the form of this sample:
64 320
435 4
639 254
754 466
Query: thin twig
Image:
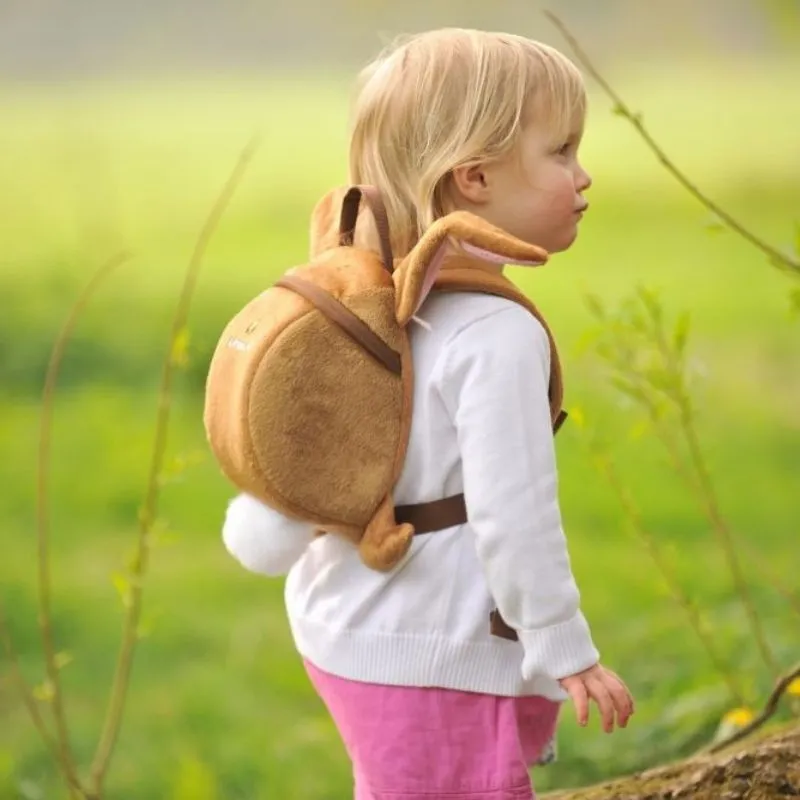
706 492
25 692
702 488
725 537
66 758
769 710
777 258
775 582
147 516
606 468
696 475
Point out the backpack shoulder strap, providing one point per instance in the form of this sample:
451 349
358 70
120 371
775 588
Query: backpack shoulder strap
473 279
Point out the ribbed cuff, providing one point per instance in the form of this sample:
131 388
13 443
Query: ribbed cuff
558 651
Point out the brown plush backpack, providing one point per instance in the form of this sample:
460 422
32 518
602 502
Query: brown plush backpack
308 398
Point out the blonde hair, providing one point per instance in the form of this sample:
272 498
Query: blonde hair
446 98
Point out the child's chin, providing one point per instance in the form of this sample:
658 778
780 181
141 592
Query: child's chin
562 243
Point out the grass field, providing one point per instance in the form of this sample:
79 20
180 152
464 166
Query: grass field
220 707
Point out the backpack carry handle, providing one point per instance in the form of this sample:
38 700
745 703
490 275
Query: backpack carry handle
347 222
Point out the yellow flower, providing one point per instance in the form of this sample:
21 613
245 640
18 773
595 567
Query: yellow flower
794 688
738 717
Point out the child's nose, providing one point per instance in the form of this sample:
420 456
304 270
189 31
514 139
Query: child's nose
583 180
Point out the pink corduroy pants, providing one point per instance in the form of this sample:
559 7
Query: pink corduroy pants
410 743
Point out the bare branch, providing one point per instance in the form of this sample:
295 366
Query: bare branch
606 468
776 257
25 691
769 710
65 755
667 380
725 536
706 491
147 516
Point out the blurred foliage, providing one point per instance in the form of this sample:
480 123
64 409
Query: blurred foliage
222 706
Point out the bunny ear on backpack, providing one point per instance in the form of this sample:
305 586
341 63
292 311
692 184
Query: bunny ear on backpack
415 276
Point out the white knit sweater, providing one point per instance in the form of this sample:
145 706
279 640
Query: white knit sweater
481 425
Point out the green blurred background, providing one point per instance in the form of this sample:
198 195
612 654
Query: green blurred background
119 123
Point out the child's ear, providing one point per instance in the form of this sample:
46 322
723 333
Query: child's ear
325 222
469 181
415 276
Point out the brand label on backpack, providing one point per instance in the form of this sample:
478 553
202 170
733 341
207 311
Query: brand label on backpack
238 344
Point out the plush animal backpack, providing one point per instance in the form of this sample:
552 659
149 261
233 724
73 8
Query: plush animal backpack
309 392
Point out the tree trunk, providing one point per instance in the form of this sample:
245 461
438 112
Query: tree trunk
760 768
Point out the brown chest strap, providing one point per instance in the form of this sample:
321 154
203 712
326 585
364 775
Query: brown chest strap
438 515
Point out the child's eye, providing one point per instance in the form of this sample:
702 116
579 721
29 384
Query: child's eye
565 149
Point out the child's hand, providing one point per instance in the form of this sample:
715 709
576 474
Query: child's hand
606 689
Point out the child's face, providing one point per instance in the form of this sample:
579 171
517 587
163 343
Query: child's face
535 193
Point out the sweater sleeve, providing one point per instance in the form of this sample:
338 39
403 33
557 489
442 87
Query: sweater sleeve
261 539
494 377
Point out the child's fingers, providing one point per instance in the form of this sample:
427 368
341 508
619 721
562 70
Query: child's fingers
598 691
580 699
621 698
622 683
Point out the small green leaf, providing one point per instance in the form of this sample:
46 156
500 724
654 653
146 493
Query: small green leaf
605 351
174 470
652 302
659 409
639 430
194 781
161 534
661 380
44 692
715 225
124 589
180 348
629 389
637 322
595 306
577 417
681 332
